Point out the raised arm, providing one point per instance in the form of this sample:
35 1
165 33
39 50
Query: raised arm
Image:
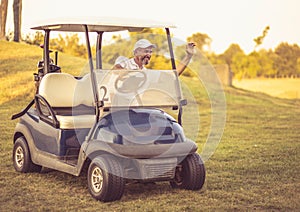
186 60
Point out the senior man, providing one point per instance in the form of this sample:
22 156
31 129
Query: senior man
142 52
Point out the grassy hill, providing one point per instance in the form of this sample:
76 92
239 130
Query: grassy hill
255 166
288 88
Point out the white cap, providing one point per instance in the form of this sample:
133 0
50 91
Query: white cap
143 43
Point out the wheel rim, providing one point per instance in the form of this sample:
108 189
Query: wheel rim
19 157
178 176
97 179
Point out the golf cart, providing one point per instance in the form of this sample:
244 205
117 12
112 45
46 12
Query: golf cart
110 123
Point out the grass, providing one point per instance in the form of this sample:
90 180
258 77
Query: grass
282 87
255 166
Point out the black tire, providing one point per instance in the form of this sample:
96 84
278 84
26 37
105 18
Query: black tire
190 174
22 158
105 181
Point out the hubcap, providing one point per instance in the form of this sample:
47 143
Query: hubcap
97 179
19 157
178 176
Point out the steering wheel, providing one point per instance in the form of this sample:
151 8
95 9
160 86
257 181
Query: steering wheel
130 81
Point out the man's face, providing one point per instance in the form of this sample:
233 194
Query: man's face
144 55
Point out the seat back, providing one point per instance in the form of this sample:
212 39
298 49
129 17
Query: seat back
84 92
58 89
63 90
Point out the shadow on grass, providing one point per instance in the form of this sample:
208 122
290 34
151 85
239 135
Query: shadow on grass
262 96
133 190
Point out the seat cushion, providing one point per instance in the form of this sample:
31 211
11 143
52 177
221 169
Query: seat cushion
72 122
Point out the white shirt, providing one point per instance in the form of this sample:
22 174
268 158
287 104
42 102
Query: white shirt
130 64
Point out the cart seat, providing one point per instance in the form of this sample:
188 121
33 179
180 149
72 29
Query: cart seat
65 95
76 122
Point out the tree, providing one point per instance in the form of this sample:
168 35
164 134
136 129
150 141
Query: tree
215 59
201 40
69 44
17 8
228 55
34 39
258 41
3 16
254 67
116 47
266 61
298 67
237 66
286 60
245 66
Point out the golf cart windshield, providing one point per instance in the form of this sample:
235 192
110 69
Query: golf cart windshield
136 88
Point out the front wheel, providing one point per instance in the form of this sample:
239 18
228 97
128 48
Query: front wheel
105 181
190 174
21 157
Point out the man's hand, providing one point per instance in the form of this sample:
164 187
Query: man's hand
190 51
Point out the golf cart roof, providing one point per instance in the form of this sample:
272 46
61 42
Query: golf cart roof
99 24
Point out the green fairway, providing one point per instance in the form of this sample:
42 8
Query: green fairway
255 166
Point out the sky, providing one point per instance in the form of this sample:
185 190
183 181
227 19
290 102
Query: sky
224 21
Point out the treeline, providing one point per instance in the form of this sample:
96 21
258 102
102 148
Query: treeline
283 61
69 44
